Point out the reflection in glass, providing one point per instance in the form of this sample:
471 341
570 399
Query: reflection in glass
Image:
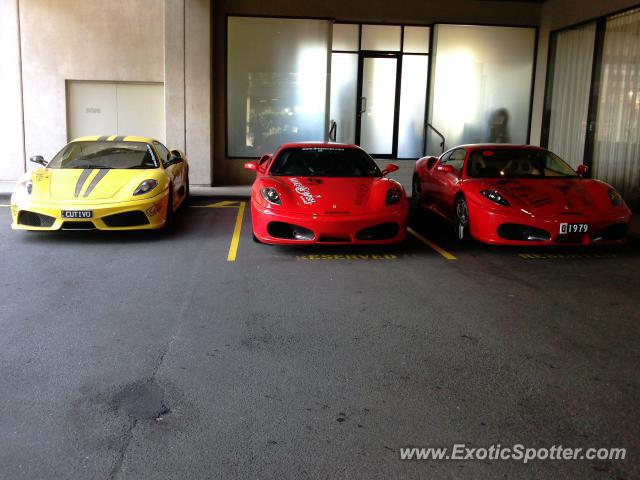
481 73
378 104
276 87
413 94
344 86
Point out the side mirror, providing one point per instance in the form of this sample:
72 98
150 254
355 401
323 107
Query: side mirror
446 168
176 154
251 166
389 168
39 159
582 170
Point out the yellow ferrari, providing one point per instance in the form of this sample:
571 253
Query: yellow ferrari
105 183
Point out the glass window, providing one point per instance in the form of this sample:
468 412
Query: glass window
381 37
276 85
570 89
324 162
482 84
344 89
163 152
455 158
413 96
105 155
416 40
345 37
517 163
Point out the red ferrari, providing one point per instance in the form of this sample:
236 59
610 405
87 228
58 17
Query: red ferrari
518 195
326 193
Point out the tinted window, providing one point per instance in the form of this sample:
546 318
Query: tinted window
121 155
163 152
517 163
324 162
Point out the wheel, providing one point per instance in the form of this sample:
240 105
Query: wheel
416 197
462 220
168 221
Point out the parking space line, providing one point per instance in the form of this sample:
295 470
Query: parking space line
432 245
233 248
223 204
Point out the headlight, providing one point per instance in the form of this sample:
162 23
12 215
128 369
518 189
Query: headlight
495 197
271 196
394 195
616 199
146 187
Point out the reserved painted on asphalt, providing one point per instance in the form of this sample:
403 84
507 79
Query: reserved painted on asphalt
361 257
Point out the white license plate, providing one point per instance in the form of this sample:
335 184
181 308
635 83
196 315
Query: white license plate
77 214
570 228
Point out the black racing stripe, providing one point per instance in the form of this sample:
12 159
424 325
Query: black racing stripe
103 138
81 179
99 176
119 138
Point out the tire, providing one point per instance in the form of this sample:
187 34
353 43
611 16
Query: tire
462 220
169 219
416 197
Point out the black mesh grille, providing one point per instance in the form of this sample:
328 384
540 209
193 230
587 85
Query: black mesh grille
78 226
382 231
288 231
126 219
611 233
32 219
524 233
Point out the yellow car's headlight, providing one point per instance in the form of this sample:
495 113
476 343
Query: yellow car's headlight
146 186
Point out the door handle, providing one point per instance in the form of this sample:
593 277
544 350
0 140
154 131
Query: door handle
363 104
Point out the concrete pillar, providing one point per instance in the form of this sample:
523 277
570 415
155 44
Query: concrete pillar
12 160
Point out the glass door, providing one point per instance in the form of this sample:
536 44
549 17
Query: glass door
377 113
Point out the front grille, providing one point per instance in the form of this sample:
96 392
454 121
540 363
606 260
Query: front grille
126 219
32 219
611 233
333 239
78 226
382 231
287 231
523 233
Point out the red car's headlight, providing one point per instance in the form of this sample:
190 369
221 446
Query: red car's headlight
394 195
271 195
495 197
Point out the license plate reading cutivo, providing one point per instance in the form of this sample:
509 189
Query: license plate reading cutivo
77 214
568 228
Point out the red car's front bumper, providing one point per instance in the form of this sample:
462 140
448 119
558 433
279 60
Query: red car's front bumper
380 228
491 226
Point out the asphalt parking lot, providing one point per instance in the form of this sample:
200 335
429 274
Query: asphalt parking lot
197 353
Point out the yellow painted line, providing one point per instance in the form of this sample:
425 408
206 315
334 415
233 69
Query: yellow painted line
429 243
223 204
233 248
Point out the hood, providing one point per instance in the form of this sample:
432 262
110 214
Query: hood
86 185
554 196
326 196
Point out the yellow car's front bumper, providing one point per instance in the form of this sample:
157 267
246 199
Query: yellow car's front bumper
147 213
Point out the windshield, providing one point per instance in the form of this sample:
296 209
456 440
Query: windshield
121 155
324 162
517 163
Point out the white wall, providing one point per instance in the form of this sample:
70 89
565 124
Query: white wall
11 139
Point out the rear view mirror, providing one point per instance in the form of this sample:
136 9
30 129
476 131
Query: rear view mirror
582 170
39 159
389 168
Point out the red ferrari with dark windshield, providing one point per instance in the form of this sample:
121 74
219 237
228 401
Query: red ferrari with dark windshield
519 195
326 193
